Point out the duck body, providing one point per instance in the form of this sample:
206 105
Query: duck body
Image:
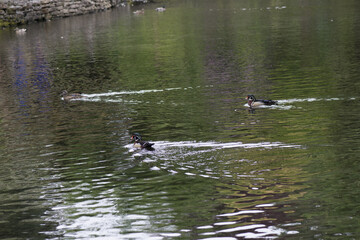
70 96
160 9
20 30
139 12
139 143
253 102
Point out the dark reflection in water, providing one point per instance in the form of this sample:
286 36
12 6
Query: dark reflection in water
68 169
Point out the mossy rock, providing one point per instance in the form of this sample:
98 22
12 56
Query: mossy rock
5 24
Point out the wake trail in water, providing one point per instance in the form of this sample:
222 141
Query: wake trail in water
295 100
216 145
109 96
167 155
284 103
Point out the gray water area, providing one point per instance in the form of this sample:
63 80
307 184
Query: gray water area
180 78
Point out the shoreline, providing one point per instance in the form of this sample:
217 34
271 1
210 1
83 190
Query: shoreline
19 12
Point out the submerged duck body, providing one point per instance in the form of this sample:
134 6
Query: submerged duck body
139 143
70 96
253 102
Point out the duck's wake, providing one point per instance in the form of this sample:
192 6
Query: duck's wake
162 145
117 96
285 104
190 157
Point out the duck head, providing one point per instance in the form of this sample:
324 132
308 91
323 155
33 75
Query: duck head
136 137
64 93
250 98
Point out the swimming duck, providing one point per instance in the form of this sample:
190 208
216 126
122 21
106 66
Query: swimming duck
139 12
70 96
160 9
20 30
253 102
138 143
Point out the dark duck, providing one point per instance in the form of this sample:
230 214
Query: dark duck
253 102
139 143
70 96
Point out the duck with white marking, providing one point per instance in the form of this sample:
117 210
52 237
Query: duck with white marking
20 30
139 143
70 96
139 12
253 102
160 9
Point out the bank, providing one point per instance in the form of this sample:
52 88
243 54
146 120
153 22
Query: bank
16 12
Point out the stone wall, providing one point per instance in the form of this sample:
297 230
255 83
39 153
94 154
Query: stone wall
14 12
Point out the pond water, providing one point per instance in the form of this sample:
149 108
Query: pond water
180 78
